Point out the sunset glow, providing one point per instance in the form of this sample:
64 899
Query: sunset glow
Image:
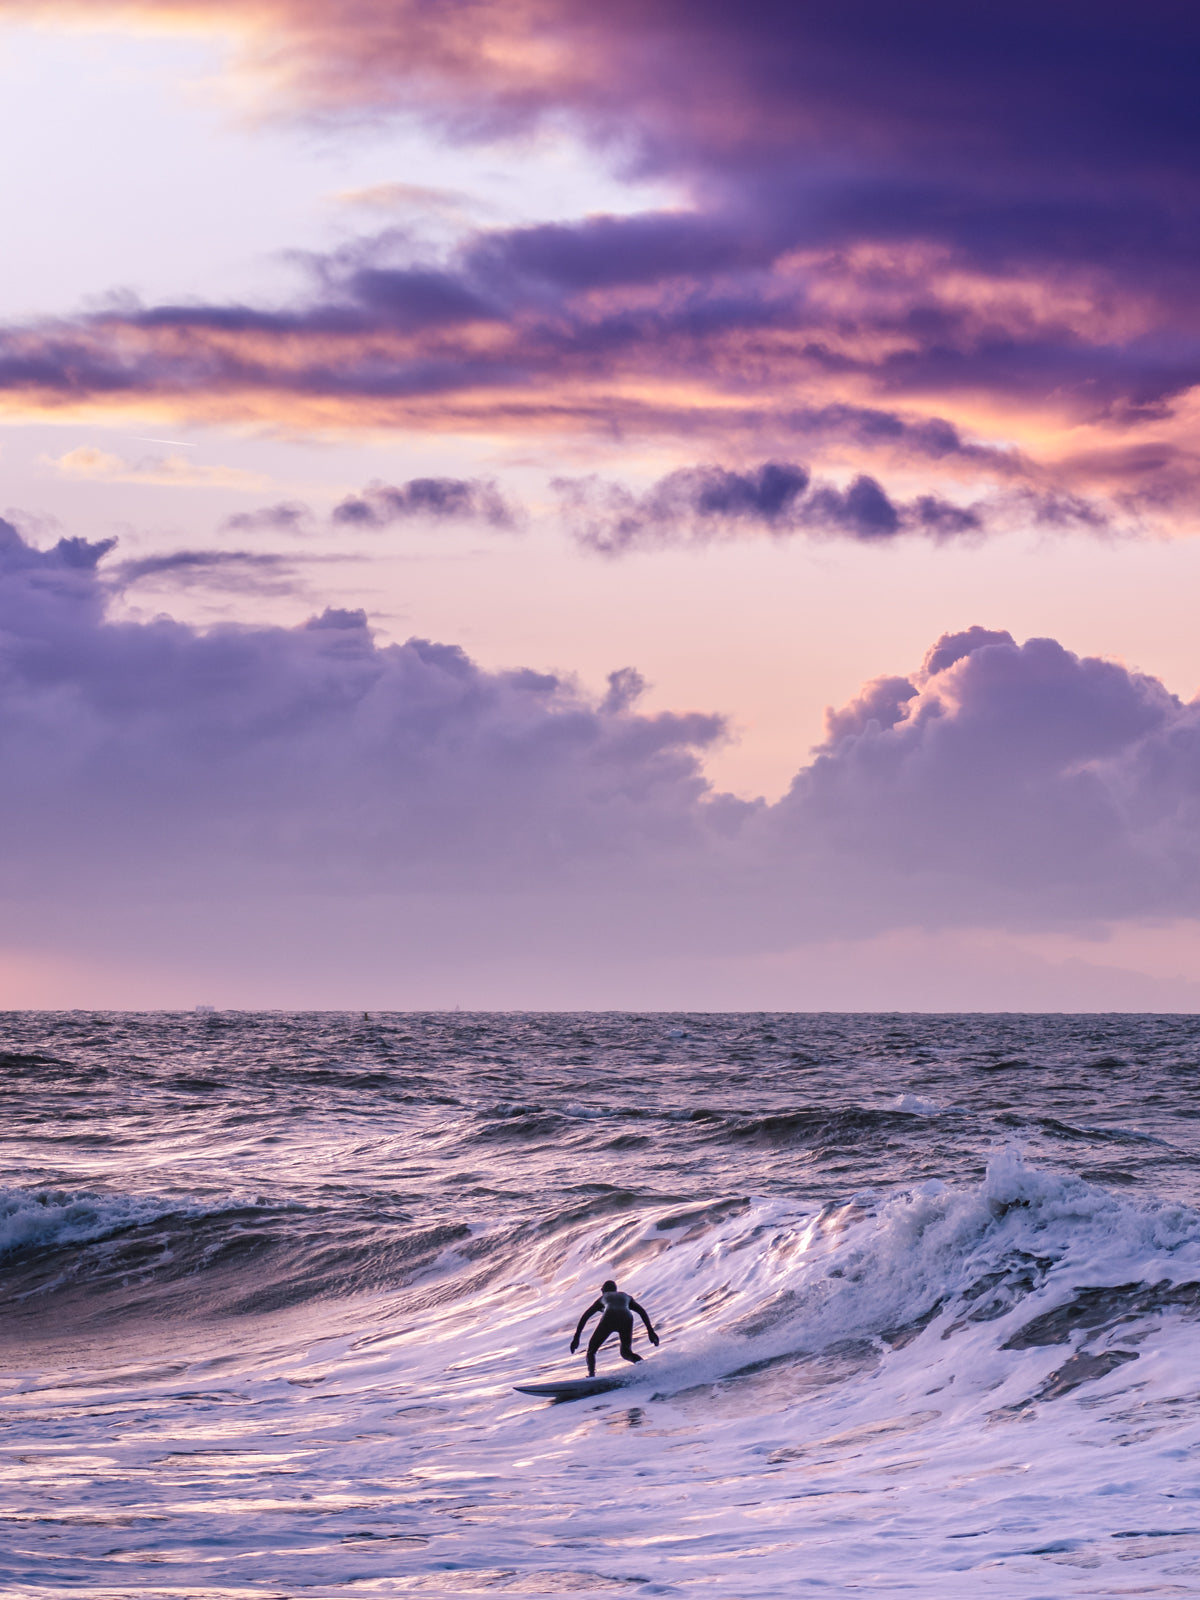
732 356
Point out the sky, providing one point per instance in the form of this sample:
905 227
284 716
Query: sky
540 505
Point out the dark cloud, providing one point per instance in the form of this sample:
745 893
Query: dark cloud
886 216
696 505
608 252
381 504
912 438
1030 98
441 499
862 510
692 505
734 343
416 299
766 495
942 519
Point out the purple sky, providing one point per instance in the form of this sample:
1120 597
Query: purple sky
660 505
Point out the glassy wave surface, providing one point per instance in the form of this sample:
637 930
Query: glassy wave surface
928 1290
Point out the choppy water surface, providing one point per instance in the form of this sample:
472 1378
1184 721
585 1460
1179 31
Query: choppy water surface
929 1291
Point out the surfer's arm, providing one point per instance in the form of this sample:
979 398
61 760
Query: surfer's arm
633 1306
590 1312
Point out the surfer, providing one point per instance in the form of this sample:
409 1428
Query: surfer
616 1316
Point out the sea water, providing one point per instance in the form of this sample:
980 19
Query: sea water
928 1290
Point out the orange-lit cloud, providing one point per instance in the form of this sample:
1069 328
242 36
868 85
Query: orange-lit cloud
172 471
872 232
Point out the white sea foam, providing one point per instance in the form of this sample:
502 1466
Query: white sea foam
35 1221
836 1407
870 1380
917 1107
46 1218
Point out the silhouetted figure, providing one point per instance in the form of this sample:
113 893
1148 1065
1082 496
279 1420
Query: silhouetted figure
616 1316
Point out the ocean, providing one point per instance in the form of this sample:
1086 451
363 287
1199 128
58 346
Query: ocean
928 1289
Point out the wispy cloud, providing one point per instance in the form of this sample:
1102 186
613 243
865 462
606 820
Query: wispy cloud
413 198
101 466
435 499
699 505
286 516
239 571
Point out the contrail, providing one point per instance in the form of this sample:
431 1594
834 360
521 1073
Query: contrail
142 439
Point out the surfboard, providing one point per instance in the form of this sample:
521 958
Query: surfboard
571 1388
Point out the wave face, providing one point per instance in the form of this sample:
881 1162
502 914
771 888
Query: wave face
928 1290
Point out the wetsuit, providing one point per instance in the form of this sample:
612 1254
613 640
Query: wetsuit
616 1316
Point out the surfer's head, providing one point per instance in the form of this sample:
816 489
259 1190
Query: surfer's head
608 1287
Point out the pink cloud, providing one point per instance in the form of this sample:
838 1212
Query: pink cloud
873 233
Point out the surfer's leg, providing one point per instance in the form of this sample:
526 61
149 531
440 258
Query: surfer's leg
604 1328
625 1329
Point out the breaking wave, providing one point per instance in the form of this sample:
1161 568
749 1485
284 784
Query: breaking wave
1035 1258
273 1282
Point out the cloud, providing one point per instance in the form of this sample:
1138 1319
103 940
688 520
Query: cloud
1023 782
86 461
412 197
380 505
436 499
696 505
287 516
913 439
1003 785
871 251
257 758
914 105
882 704
625 686
243 571
469 345
690 506
509 334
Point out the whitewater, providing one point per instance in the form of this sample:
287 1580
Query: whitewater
928 1290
